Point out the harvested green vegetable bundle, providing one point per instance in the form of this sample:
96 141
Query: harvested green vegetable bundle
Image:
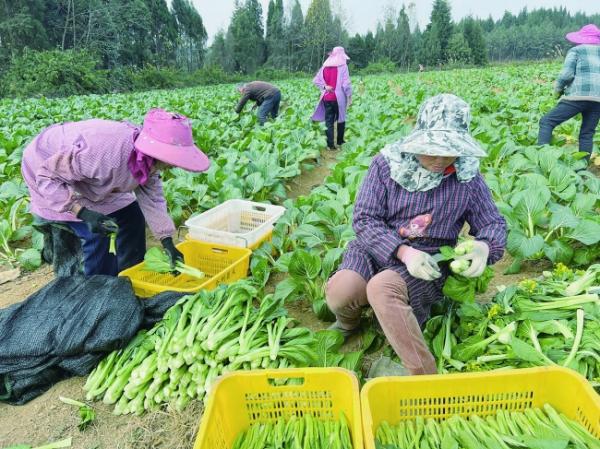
158 260
458 287
297 432
200 338
533 428
534 323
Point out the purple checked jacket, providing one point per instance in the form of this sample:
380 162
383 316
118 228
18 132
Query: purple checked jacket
386 216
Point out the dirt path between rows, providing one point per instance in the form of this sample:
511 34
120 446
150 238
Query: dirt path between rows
47 419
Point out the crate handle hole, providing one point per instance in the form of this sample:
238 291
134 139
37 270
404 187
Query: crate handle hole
219 250
285 381
259 208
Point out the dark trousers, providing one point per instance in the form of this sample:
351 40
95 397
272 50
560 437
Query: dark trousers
563 111
131 243
269 106
332 113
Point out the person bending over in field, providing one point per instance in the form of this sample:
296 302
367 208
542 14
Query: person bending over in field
333 79
99 177
578 87
266 96
417 195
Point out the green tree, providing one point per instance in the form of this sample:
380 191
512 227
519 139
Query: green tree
317 32
163 32
458 49
441 28
474 37
276 39
192 34
404 40
294 38
245 36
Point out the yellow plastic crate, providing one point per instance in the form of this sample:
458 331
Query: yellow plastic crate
241 398
222 264
394 399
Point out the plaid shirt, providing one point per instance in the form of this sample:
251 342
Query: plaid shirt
383 208
580 76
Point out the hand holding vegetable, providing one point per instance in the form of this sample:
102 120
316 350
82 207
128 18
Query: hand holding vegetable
173 252
98 223
159 261
476 252
418 263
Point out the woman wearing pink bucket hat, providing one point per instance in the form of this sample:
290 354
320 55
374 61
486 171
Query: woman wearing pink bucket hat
96 177
578 87
333 79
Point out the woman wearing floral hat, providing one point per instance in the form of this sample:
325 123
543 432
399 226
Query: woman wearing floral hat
103 176
417 195
333 79
578 87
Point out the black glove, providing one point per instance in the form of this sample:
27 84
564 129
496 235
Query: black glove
173 252
98 223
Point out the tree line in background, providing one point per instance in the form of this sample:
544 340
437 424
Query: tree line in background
59 47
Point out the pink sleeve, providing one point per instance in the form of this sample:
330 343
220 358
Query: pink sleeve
346 83
56 176
151 199
318 80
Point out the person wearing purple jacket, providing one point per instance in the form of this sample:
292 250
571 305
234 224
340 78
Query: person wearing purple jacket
333 79
103 176
417 195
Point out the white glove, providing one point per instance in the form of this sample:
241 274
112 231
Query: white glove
478 257
419 264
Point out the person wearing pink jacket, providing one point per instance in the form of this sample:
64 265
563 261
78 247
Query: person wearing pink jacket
102 176
333 79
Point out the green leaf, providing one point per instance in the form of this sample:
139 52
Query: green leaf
459 288
304 265
519 245
331 260
559 251
526 352
30 259
322 311
286 288
562 217
586 232
326 347
308 236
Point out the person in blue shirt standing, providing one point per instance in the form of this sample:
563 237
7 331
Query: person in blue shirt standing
578 87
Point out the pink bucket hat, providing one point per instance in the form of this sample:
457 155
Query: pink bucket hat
589 34
336 58
168 138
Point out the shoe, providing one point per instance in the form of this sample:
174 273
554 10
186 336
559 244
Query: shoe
346 333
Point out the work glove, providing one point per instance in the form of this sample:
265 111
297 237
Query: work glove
419 264
173 252
478 257
97 223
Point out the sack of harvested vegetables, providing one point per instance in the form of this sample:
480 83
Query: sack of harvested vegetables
66 328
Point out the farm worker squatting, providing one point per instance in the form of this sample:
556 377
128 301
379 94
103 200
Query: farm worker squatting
266 96
578 85
417 195
102 176
333 79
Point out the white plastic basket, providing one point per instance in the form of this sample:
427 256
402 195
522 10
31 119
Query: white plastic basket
235 222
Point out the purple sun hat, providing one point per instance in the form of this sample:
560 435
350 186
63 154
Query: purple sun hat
167 137
589 34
